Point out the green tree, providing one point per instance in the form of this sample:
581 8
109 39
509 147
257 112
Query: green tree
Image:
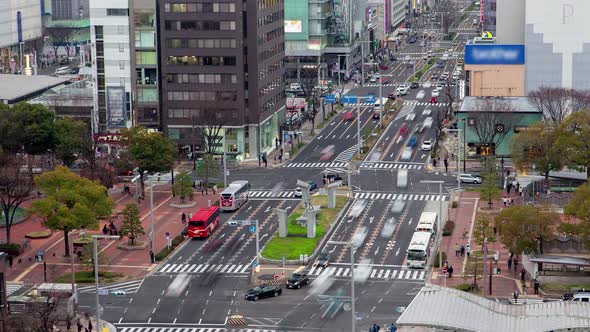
489 188
70 137
28 127
71 202
87 258
579 207
183 186
149 151
574 140
131 226
209 167
522 227
537 145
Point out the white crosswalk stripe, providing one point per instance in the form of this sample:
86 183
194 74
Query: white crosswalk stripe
11 288
129 287
376 273
346 155
188 329
258 194
403 197
317 165
202 268
423 103
392 166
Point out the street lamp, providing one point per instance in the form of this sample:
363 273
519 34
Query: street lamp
363 59
95 244
459 147
438 237
352 306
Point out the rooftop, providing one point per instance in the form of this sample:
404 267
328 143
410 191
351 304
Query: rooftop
454 309
518 104
16 88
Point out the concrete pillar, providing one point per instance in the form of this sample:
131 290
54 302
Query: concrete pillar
282 214
311 221
331 189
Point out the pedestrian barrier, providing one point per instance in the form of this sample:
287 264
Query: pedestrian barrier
236 320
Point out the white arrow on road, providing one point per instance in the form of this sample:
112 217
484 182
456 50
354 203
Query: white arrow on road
410 222
249 207
376 251
371 220
267 209
397 252
423 156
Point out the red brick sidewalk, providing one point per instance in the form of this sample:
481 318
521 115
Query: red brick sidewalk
504 284
131 263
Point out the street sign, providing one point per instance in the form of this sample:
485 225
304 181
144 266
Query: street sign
255 263
277 276
330 99
103 291
167 235
246 222
350 99
252 229
370 99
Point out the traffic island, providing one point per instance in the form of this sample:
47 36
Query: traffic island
131 247
296 243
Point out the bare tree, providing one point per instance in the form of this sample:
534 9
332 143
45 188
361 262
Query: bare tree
448 96
60 36
41 314
210 125
557 103
15 187
494 119
307 78
449 14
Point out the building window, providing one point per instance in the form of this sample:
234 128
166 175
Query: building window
167 7
121 64
121 47
146 58
145 39
201 7
200 25
120 29
202 60
98 32
202 78
117 12
201 43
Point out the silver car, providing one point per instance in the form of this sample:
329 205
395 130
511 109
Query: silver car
470 178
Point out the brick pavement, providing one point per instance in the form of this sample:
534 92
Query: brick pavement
130 263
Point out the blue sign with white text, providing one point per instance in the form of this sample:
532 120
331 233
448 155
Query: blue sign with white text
370 99
349 99
492 54
330 99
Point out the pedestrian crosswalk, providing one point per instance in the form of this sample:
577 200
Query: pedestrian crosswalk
392 166
270 194
376 273
11 288
317 165
423 103
189 329
526 301
346 155
403 197
129 287
204 268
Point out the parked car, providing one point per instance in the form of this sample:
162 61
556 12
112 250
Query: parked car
348 116
297 280
323 260
470 178
426 145
261 292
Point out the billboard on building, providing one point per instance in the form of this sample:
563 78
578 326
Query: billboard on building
493 54
115 107
296 19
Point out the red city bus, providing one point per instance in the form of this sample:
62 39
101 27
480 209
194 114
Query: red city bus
204 222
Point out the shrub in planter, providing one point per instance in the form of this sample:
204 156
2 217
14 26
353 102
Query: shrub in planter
12 249
449 227
177 240
465 287
444 259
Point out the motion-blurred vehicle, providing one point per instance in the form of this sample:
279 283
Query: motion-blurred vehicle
323 260
384 67
402 178
178 285
398 206
388 228
348 116
359 236
363 272
327 153
357 208
297 280
428 122
407 153
426 111
413 141
261 292
410 116
404 129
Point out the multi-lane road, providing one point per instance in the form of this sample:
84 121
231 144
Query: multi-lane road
219 267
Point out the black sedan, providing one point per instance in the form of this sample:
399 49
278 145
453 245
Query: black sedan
261 292
297 280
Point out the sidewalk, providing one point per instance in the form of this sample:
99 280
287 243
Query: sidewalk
132 264
469 205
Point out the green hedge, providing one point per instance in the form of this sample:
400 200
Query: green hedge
10 246
449 227
444 258
176 241
466 287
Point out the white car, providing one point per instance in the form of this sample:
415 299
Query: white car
435 93
363 272
428 122
298 192
426 111
407 153
401 91
357 208
470 178
426 145
398 206
373 79
359 236
410 116
388 228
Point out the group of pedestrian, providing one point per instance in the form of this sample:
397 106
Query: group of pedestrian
449 269
514 184
377 328
462 249
80 326
111 229
507 201
513 261
184 216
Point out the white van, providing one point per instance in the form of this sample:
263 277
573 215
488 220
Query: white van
402 178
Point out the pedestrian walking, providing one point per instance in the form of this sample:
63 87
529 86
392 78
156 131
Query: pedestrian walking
518 186
504 200
152 257
536 286
468 248
90 325
79 325
515 263
183 217
514 185
190 216
68 324
510 201
509 263
462 250
515 295
214 189
520 191
522 276
392 328
376 327
450 270
508 187
458 250
105 230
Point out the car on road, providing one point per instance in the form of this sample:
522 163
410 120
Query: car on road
426 145
327 153
428 122
470 178
374 79
404 129
376 115
474 21
297 280
392 96
398 206
363 272
434 76
323 260
312 186
359 236
413 141
414 85
407 153
295 87
383 67
426 111
388 228
435 93
298 192
402 91
262 292
348 116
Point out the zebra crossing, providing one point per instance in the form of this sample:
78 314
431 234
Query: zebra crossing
403 197
129 287
346 155
270 194
188 329
317 165
423 103
203 268
392 166
376 273
12 288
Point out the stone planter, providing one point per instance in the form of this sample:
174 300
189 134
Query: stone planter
132 247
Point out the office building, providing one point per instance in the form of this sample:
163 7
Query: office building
109 27
69 9
20 26
222 64
510 21
489 15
